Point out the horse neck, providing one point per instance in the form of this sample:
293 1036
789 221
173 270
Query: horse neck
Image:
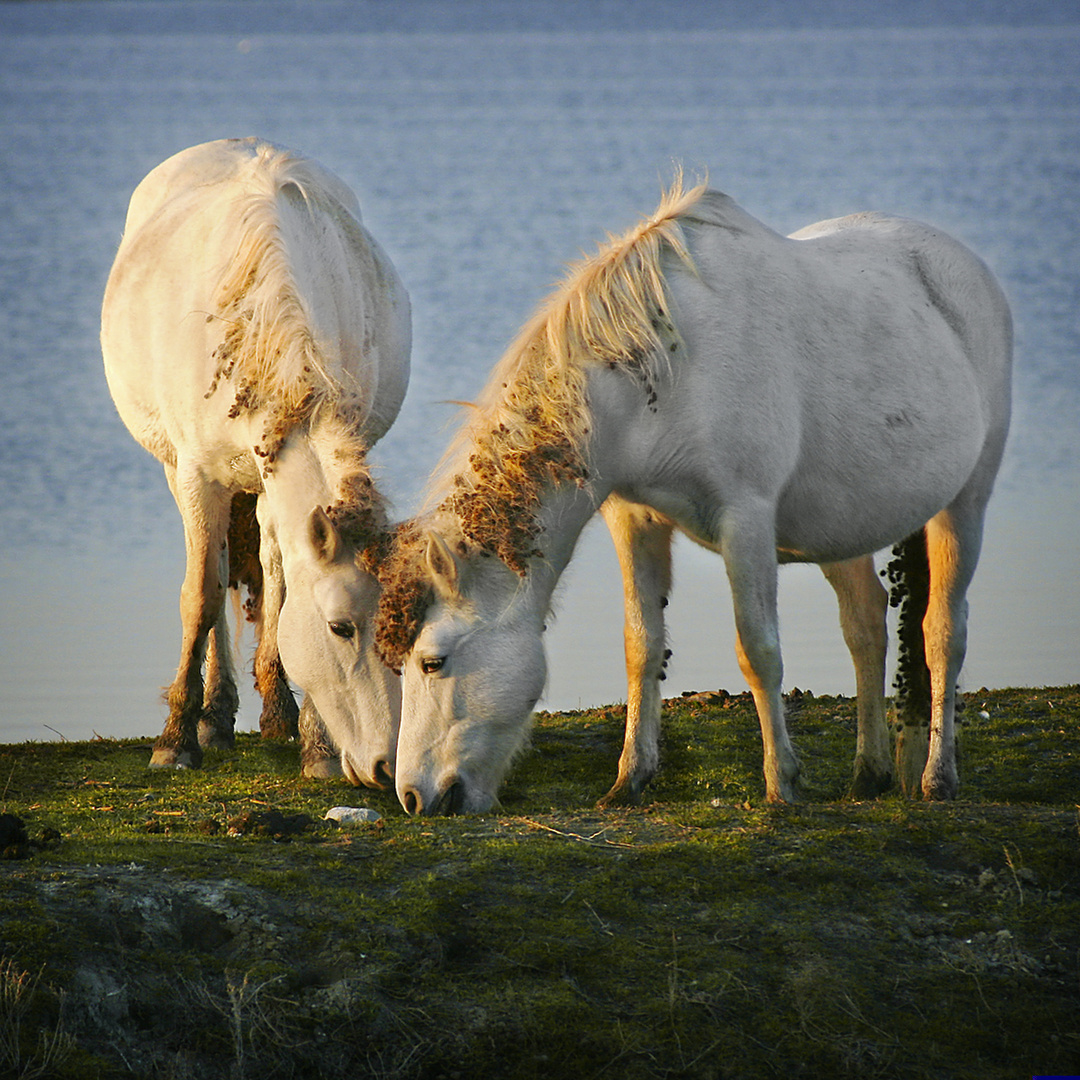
303 475
563 511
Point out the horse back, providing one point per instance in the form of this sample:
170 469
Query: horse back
943 272
216 163
856 374
850 290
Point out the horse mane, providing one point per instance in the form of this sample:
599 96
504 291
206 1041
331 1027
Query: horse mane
269 350
608 309
530 426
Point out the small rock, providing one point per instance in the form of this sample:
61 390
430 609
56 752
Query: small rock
352 815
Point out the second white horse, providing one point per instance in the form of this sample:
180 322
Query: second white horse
812 399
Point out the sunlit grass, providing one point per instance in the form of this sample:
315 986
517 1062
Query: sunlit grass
702 934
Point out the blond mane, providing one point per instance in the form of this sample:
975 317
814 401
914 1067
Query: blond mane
269 351
530 427
610 308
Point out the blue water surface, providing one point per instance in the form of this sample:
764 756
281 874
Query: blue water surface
489 143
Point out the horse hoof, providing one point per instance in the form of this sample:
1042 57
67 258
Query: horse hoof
616 798
626 791
323 769
869 783
784 794
167 758
940 789
213 738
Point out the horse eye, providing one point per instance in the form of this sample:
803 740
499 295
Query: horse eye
343 630
432 664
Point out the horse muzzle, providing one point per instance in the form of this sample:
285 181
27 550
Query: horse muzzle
452 798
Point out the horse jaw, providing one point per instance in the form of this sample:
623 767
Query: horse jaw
326 642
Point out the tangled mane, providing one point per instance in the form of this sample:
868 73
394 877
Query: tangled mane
530 429
359 510
269 352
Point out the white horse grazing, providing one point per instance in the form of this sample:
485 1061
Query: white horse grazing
807 399
256 341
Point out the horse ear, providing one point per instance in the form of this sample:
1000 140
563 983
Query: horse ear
442 565
325 538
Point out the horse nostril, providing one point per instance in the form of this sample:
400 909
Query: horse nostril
411 801
452 800
383 774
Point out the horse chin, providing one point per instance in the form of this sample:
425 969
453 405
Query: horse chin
380 778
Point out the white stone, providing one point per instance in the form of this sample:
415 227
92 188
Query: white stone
352 815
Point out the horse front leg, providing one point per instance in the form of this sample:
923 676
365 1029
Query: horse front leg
217 721
748 545
864 603
953 541
204 507
280 716
319 757
642 541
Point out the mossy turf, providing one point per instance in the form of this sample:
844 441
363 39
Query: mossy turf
211 923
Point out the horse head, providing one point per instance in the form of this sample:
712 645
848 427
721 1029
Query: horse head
326 639
471 676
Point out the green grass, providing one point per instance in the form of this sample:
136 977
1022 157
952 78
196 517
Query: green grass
703 934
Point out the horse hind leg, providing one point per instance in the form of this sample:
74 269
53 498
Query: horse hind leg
909 571
863 605
643 543
220 697
280 717
953 542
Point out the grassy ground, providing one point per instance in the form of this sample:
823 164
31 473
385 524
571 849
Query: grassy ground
212 924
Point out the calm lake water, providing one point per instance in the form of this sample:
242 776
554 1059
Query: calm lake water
490 142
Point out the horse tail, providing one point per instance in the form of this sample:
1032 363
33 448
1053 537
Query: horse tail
909 590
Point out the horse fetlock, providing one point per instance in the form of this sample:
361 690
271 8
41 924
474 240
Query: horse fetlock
280 717
216 733
782 780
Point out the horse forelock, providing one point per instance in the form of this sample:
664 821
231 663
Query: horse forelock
407 592
531 426
358 511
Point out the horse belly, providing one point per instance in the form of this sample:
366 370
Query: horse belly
871 476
